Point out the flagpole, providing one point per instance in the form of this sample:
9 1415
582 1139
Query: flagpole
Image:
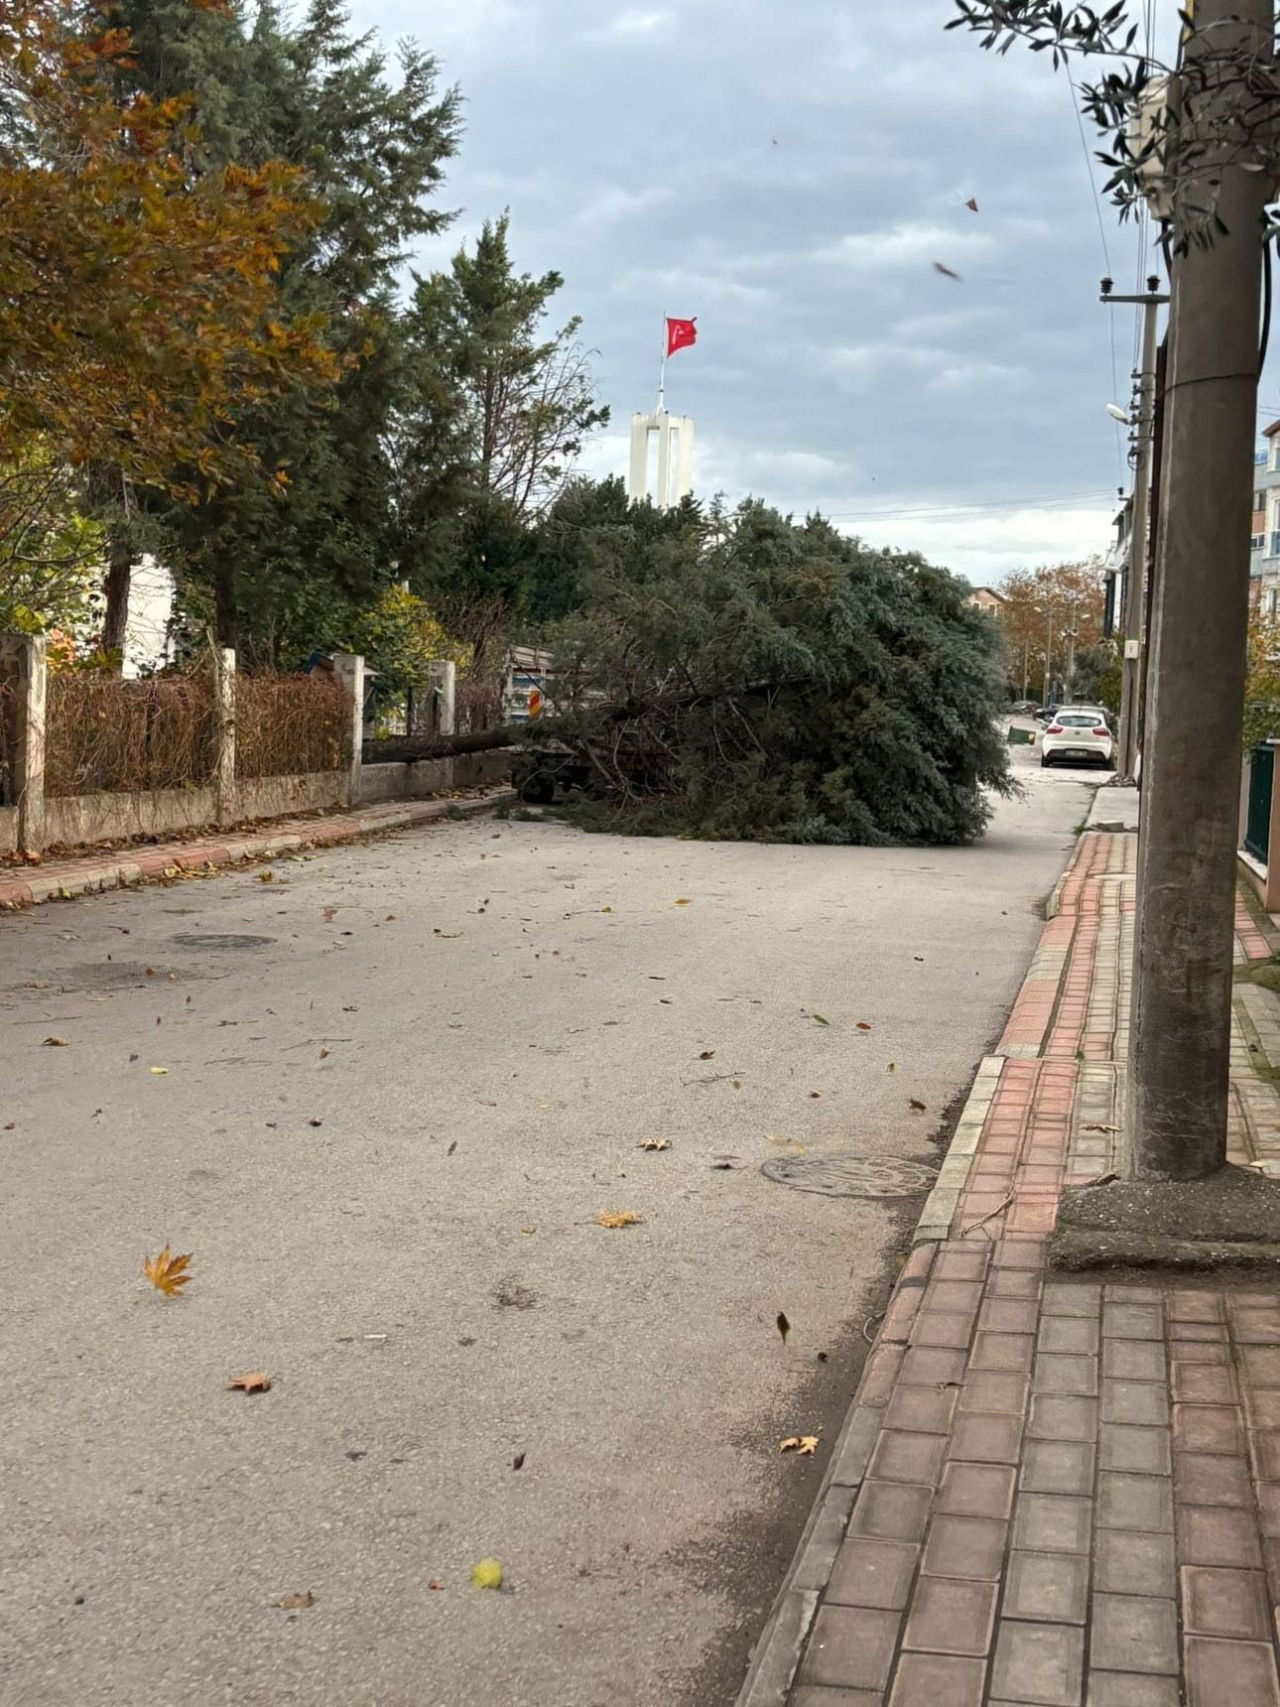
662 368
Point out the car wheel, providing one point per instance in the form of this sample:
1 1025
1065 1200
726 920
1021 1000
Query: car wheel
1044 761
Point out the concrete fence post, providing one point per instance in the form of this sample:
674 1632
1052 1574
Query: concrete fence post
350 669
1271 889
226 797
443 676
25 657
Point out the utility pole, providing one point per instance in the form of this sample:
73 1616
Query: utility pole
1026 662
1133 620
1180 1033
1048 654
1069 686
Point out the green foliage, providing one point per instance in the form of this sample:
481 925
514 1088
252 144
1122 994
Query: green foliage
49 548
781 682
495 413
282 567
1099 674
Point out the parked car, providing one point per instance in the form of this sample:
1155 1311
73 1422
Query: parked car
1022 708
1045 713
1077 734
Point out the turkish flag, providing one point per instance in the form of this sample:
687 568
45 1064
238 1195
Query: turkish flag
680 333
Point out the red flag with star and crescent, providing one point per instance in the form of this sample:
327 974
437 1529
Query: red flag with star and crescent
680 334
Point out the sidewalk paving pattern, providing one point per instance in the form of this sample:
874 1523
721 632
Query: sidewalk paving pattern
1064 1492
118 868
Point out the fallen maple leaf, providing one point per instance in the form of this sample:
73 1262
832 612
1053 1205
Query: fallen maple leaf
803 1445
916 1104
166 1273
324 1054
487 1574
267 877
706 1055
294 1602
862 1025
683 901
618 1218
55 1043
655 1144
819 1020
517 1463
784 1326
257 1382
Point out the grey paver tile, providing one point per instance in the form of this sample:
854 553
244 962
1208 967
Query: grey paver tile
1052 1587
1040 1664
941 1681
987 1439
1143 1402
1134 1360
1133 1632
923 1408
1052 1523
1069 1334
904 1456
951 1615
965 1547
1057 1467
1126 1561
1002 1351
1145 1451
995 1392
892 1511
1126 1501
977 1490
1131 1689
1061 1300
1132 1321
850 1647
1057 1418
874 1574
1065 1374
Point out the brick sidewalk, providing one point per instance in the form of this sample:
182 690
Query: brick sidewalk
1057 1491
61 880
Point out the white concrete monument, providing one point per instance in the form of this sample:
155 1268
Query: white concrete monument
674 434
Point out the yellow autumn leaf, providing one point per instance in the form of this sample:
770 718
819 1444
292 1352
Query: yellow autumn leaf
157 1070
803 1445
618 1218
266 877
487 1574
683 901
656 1144
166 1273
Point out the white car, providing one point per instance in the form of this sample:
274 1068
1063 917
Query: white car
1077 735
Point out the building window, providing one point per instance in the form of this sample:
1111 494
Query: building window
1275 545
1257 541
1259 500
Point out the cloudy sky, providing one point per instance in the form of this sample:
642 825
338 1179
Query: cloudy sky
788 171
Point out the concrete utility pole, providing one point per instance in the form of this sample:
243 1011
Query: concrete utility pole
1048 654
1180 1034
1133 623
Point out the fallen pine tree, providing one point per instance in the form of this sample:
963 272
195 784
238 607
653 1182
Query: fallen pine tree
775 681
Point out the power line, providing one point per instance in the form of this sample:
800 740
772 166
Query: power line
1106 253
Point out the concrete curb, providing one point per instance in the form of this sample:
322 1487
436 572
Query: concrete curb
777 1654
65 880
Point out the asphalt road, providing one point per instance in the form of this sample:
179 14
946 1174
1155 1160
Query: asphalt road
400 1082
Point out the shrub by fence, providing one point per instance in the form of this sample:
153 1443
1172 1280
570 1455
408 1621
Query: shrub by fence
109 736
290 725
8 712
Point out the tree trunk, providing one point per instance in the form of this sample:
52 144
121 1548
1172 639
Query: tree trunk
224 603
115 622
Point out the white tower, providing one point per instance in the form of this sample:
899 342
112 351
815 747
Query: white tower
675 462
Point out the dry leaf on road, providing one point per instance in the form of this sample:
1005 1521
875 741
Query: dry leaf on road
487 1574
863 1026
655 1144
517 1463
803 1445
266 877
618 1218
295 1602
158 1071
256 1382
166 1273
916 1104
784 1326
55 1043
707 1055
819 1019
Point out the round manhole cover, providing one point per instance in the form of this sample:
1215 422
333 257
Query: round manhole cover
191 939
851 1176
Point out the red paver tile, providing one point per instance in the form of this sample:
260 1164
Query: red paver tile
1261 1365
850 1647
1225 1603
958 1265
1009 1315
954 1296
1218 1535
813 1695
1014 1283
1188 1306
874 1574
1263 1406
1201 1478
1242 1674
1208 1428
1264 1447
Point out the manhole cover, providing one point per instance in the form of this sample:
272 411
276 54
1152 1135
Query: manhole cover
851 1176
192 940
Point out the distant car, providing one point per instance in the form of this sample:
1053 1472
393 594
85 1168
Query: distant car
1079 735
1022 707
1045 713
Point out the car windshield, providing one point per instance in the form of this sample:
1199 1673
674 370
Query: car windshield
1077 722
